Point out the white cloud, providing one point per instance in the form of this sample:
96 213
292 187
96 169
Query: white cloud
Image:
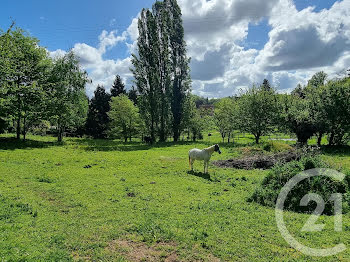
57 53
101 71
109 40
88 55
299 44
307 39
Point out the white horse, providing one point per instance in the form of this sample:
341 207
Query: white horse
202 155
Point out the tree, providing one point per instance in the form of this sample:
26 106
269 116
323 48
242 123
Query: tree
125 118
97 119
161 69
257 111
145 70
225 117
22 68
5 70
313 92
299 91
179 64
3 83
318 79
162 20
317 111
296 117
67 102
118 87
133 95
336 105
266 85
192 119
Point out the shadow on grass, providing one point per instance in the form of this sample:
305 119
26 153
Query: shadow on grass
336 150
88 144
10 143
114 145
201 175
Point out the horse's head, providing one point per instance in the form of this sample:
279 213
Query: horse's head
217 149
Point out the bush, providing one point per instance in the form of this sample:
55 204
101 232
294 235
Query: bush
267 193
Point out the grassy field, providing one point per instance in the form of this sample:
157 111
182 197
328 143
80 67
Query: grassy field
112 201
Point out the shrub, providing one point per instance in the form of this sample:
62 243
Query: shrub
267 193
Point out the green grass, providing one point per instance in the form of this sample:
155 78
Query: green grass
73 201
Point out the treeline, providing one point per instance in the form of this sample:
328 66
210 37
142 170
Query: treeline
321 108
39 94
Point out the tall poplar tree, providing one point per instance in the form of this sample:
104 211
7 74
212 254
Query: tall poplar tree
164 68
145 70
180 65
161 69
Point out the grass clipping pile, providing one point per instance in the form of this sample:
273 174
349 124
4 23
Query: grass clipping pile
260 161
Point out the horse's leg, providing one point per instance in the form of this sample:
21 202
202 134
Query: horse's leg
205 165
192 161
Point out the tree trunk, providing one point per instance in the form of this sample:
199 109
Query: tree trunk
60 132
257 139
60 135
152 132
162 127
176 135
19 126
24 128
331 139
319 139
19 113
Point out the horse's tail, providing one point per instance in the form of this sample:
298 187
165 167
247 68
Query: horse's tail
189 161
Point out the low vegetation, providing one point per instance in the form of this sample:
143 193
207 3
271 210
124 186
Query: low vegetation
267 193
108 200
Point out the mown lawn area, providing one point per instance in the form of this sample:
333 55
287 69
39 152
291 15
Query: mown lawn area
95 200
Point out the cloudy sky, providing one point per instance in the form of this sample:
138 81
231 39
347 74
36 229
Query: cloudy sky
233 43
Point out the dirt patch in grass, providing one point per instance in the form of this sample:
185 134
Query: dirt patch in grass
259 161
141 252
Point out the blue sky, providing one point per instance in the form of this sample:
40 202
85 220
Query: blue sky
228 40
61 24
